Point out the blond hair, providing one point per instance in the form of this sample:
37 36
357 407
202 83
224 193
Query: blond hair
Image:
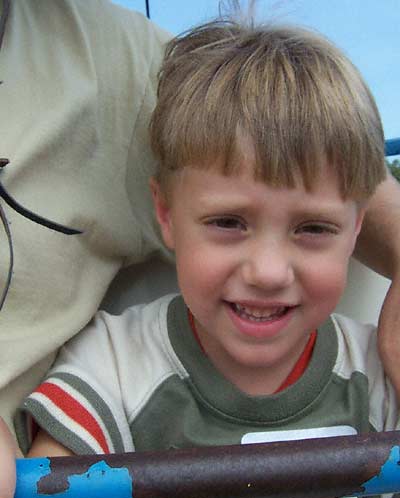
298 99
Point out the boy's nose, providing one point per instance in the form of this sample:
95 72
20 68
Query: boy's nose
268 268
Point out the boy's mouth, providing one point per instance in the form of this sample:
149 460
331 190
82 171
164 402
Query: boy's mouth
259 314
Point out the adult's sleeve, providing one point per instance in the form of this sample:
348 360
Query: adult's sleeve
79 83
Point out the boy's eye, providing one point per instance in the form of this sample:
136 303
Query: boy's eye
317 229
227 223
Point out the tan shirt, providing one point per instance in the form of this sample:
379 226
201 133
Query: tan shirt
79 83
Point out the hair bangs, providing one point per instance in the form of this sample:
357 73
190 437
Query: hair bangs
286 91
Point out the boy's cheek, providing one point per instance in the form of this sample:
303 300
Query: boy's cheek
202 272
328 284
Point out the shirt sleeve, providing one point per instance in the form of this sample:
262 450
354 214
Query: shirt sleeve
383 403
360 355
80 402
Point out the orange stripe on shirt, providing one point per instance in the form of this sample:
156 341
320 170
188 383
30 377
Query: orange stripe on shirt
301 363
74 410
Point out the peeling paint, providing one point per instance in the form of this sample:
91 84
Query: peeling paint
313 468
29 472
99 480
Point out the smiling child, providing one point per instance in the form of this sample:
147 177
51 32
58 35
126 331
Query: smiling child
269 146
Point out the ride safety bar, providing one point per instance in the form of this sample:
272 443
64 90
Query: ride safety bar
359 465
392 147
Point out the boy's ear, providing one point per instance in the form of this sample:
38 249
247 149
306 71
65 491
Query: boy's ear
360 217
359 221
163 213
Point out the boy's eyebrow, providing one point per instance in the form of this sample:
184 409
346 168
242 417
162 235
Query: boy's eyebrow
332 213
210 202
236 205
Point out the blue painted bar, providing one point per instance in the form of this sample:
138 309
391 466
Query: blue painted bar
387 481
100 480
392 147
360 465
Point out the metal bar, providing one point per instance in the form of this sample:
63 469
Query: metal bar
326 467
148 9
392 147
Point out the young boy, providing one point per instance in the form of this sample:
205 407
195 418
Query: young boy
270 145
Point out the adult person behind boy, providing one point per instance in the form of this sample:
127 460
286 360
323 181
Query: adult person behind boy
78 88
261 194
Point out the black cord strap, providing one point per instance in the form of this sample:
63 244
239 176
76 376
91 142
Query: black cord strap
3 19
8 199
35 217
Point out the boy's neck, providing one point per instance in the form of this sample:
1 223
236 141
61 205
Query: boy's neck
258 381
261 381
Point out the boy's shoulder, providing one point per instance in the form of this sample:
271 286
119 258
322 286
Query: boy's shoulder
134 322
148 309
358 356
114 338
122 356
354 329
357 349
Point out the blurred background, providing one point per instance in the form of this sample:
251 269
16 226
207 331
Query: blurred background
367 30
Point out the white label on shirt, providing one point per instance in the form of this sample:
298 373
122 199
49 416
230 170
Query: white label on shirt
296 434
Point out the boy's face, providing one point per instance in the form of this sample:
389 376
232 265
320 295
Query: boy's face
259 267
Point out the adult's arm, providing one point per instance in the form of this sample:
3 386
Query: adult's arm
7 458
379 248
79 83
378 245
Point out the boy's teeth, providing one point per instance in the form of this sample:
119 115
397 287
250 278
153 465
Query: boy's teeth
257 314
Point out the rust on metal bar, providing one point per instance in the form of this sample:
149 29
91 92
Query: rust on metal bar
313 468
